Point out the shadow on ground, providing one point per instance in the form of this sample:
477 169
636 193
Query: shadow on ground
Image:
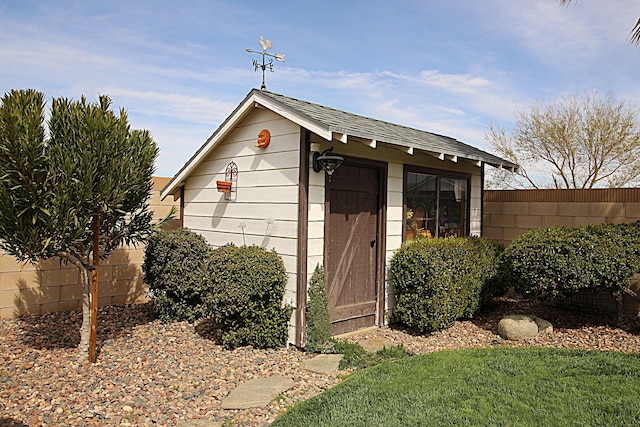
11 422
62 330
206 328
560 317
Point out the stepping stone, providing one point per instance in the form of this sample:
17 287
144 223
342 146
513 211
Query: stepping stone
199 423
256 393
376 344
322 363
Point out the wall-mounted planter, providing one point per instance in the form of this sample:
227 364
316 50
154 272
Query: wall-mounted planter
224 186
229 187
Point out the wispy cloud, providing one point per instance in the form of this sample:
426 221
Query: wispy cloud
449 82
565 37
459 105
175 106
327 79
179 123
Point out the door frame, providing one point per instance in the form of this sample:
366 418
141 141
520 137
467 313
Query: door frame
381 247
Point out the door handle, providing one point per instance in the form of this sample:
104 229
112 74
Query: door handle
373 242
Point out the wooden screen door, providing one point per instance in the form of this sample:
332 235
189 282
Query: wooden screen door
351 242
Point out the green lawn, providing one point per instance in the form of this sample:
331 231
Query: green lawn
483 387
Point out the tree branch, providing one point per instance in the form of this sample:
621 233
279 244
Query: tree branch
73 259
634 38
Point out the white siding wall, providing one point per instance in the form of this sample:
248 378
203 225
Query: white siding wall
267 187
315 248
395 222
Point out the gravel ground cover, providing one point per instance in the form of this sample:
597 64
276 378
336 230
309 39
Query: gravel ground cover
149 373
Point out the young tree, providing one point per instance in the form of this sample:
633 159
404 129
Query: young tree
91 165
634 36
571 142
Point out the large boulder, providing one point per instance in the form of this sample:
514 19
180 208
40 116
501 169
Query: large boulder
519 326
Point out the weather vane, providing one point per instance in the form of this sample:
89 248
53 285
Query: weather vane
266 45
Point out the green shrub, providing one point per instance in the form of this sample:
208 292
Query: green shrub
174 263
438 281
493 277
246 289
551 262
317 314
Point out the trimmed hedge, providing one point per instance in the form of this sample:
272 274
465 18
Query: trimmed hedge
246 288
438 281
174 263
552 262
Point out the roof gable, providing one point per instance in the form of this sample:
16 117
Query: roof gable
330 123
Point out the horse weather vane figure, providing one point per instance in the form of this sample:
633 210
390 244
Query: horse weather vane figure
266 45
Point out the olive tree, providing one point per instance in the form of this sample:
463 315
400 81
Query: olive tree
57 176
570 142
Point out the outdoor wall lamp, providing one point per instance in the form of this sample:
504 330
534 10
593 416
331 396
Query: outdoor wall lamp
327 161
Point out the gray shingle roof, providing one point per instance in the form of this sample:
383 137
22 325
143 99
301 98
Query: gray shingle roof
381 131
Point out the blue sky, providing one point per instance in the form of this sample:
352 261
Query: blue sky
449 67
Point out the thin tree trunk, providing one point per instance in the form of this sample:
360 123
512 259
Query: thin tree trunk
94 287
85 329
85 283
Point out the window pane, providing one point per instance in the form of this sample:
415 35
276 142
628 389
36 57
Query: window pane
422 205
453 207
436 206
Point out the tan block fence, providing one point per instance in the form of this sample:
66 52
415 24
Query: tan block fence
507 214
51 285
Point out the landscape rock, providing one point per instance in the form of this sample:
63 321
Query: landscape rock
544 327
520 326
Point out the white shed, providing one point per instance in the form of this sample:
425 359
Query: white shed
394 183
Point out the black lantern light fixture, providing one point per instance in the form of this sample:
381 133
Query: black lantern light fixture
327 161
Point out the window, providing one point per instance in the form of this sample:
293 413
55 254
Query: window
436 205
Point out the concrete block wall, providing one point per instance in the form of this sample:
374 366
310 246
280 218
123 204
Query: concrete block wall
51 285
507 214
